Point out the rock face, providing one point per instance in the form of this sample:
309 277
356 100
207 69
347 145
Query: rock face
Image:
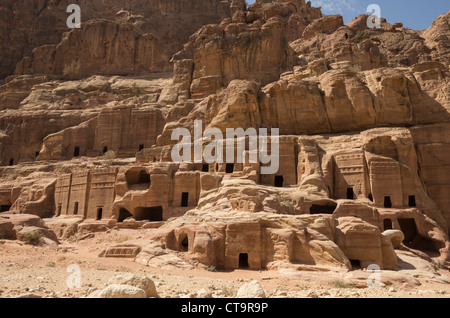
86 126
147 32
7 231
26 227
364 243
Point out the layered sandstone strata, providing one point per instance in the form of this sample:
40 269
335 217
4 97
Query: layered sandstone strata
363 116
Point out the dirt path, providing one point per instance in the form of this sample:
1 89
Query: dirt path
42 271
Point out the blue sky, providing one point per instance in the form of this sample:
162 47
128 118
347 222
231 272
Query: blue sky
415 14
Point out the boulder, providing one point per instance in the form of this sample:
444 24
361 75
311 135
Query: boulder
136 280
396 237
122 291
34 235
7 231
203 293
251 290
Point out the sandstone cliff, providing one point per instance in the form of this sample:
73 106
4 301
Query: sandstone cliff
87 117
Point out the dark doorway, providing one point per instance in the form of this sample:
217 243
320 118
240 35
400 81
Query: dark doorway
144 177
185 244
141 147
370 197
350 194
99 214
412 200
387 224
105 149
322 209
356 264
279 181
152 214
387 202
123 215
138 179
36 154
5 208
205 168
11 162
229 168
409 229
217 167
75 208
76 152
185 199
243 260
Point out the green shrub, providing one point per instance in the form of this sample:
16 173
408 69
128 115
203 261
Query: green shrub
361 35
211 269
72 69
109 155
33 237
340 284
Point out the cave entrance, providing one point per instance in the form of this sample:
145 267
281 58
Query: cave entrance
153 214
387 224
11 162
141 147
76 151
185 199
99 214
409 229
105 149
412 200
5 208
75 208
185 244
229 168
243 261
123 215
356 264
387 202
205 168
350 194
370 197
279 181
138 179
322 209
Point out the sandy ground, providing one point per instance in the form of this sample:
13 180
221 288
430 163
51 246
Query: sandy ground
42 271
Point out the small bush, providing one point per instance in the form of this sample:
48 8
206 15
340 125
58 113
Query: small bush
361 35
33 237
211 269
72 69
340 284
228 291
109 155
437 264
287 203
